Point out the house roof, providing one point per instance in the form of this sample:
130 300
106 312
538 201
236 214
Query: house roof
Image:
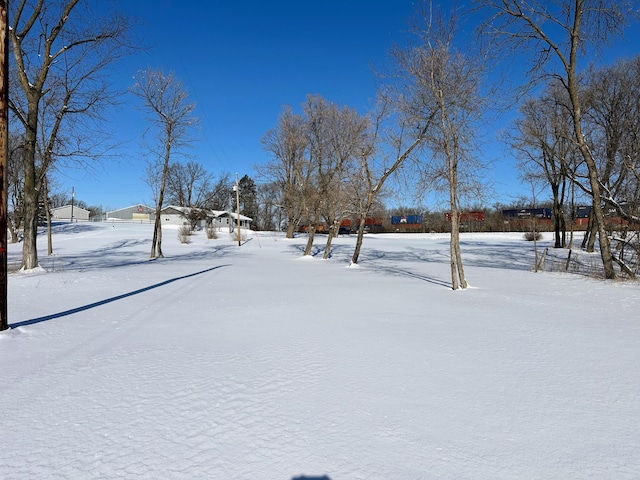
138 206
64 207
184 210
222 214
214 213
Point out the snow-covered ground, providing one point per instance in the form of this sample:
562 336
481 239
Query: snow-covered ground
252 362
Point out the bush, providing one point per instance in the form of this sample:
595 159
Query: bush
184 234
234 236
531 236
212 233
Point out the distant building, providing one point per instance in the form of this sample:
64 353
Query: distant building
135 213
179 216
222 219
67 211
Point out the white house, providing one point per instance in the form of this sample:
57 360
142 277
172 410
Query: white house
223 219
66 212
179 216
173 215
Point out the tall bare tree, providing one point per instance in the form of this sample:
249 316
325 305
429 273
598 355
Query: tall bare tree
60 49
612 115
557 34
269 211
376 165
289 167
321 169
543 140
612 110
347 138
188 184
170 114
217 197
15 188
446 85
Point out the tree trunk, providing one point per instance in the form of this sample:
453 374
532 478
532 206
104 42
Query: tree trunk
159 252
356 250
156 244
47 212
13 233
333 232
590 235
458 279
603 238
31 194
156 228
291 228
557 217
312 232
596 207
461 275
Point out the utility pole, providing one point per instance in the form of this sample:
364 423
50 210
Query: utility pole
73 194
4 153
237 190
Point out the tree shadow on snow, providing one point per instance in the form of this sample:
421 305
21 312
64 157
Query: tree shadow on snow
419 276
109 300
117 255
412 261
69 227
315 250
306 477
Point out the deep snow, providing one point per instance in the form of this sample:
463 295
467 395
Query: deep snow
227 362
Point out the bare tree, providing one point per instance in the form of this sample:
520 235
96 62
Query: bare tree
563 30
60 50
611 116
15 185
217 197
188 184
320 173
445 85
269 210
611 113
347 138
165 100
289 169
543 140
376 166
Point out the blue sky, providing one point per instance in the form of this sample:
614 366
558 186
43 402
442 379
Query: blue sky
241 62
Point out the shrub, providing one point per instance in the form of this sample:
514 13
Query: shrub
184 234
531 236
212 233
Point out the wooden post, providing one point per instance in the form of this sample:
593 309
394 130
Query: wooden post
4 153
237 189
